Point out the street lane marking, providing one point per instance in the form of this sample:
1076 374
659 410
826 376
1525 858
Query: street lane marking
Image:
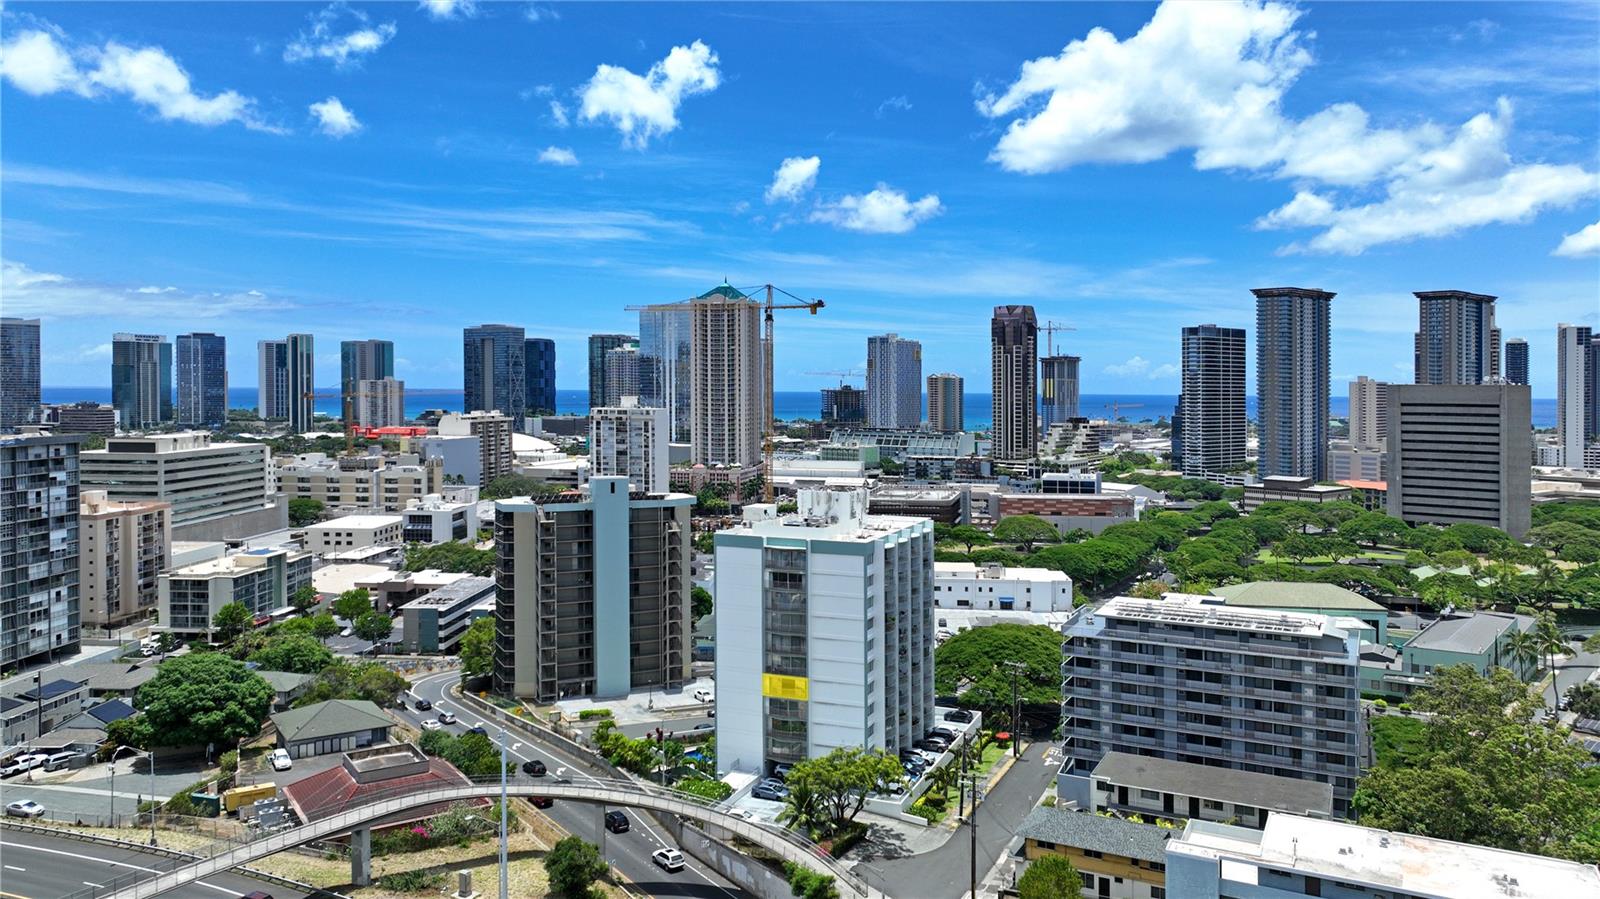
115 864
13 868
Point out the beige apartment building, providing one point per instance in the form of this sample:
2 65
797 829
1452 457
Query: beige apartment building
123 548
361 483
493 431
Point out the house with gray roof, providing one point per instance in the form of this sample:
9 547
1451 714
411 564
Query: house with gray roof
338 725
1171 790
1114 857
287 686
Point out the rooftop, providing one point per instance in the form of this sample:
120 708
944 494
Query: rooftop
918 494
229 565
357 522
330 719
1086 830
1470 634
1381 859
1207 611
1295 595
284 681
328 792
996 572
1282 794
467 589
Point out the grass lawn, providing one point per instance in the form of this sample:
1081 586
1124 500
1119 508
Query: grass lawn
1378 555
1394 738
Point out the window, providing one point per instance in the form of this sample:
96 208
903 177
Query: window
1043 845
1158 893
1091 853
1149 794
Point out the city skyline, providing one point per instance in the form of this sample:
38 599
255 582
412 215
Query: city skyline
226 213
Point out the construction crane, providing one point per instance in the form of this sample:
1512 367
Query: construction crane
841 375
1115 407
1050 328
768 306
349 416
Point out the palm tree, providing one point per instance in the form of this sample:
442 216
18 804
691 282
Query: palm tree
803 810
1526 648
1549 636
1547 579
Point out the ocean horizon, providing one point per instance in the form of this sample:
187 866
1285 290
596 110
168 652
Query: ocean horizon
788 405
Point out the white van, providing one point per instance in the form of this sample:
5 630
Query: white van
59 760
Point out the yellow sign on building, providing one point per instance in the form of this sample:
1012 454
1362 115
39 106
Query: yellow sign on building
785 686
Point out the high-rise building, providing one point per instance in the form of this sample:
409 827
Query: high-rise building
493 432
302 382
894 382
622 374
379 402
125 547
1369 413
666 342
202 363
1058 390
1291 381
539 370
141 379
946 403
844 405
599 346
1190 679
829 640
1014 355
272 379
361 360
1212 441
1460 453
494 371
728 391
1516 361
202 480
1574 391
629 440
19 372
39 554
592 595
1456 341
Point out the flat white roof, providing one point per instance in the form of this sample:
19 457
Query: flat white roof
1208 611
849 530
973 569
357 522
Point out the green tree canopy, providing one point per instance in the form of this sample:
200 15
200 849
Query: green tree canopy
842 780
477 648
231 620
972 665
352 604
203 698
297 653
303 598
700 602
374 626
372 681
1026 530
456 557
304 512
509 485
323 626
969 536
573 865
1050 877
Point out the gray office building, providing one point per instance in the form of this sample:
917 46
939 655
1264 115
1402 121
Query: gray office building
19 372
1013 358
141 380
1189 679
599 346
272 379
894 382
1516 361
202 364
1456 340
622 375
1291 382
39 604
302 382
946 403
539 372
1460 453
361 360
1058 390
1211 441
494 373
592 595
666 341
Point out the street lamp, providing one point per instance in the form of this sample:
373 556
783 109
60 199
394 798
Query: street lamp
151 755
505 883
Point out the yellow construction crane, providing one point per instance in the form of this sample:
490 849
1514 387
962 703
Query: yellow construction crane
1050 328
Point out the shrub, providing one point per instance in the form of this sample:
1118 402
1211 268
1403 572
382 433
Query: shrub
1405 707
926 812
1049 802
705 788
1380 704
846 838
412 881
809 884
591 714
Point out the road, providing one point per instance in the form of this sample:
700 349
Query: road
670 725
1571 671
34 866
90 798
629 852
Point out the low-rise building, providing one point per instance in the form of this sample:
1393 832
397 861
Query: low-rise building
82 418
392 589
697 477
898 443
1152 788
29 709
1296 857
338 725
361 483
1330 600
1348 461
287 686
365 775
353 531
1372 496
261 579
1481 640
949 468
965 585
1068 512
124 548
1284 488
946 505
1117 859
438 520
435 621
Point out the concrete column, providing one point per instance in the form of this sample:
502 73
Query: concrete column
361 856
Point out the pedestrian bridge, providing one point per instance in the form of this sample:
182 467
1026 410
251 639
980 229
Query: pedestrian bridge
357 820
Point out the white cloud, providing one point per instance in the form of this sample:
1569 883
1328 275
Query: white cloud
57 296
893 103
449 9
646 106
1210 78
883 211
154 289
320 42
533 12
41 62
558 114
794 177
1584 242
1163 371
1136 365
334 119
559 156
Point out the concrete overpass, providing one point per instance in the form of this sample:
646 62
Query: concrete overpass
357 821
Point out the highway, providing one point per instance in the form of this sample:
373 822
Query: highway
629 852
34 866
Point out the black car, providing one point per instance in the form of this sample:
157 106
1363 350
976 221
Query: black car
534 768
422 705
542 801
478 729
962 715
616 822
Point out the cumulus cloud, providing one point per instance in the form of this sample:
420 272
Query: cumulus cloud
1585 242
1136 365
449 9
558 156
321 41
334 119
646 106
42 62
883 211
1210 78
794 177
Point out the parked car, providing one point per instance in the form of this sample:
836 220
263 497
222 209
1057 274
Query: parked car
422 705
542 801
24 808
701 694
780 772
949 733
770 790
668 859
616 821
534 768
280 759
962 715
447 718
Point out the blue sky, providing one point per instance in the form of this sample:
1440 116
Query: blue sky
401 171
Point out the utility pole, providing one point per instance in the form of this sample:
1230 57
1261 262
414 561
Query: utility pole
972 830
505 883
1016 709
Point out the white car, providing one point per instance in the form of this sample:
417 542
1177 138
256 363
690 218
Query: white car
431 724
280 760
703 695
668 859
24 808
24 763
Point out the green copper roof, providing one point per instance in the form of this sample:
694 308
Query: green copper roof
724 290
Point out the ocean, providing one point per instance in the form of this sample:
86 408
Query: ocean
787 404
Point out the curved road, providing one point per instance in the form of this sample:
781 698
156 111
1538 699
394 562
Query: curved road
629 852
36 866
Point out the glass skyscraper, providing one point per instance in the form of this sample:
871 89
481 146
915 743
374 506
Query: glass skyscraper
19 372
539 370
494 370
141 379
1291 382
202 363
664 355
